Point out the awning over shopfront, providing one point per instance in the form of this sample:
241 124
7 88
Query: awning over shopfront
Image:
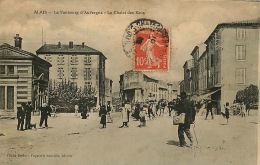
204 96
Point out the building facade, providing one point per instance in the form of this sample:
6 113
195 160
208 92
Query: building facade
136 86
23 77
108 90
230 62
188 68
79 64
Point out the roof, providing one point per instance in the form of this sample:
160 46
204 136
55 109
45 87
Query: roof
64 49
20 54
254 23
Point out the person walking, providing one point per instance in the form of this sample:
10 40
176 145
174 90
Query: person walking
142 118
137 111
185 106
28 114
20 116
109 110
227 108
124 114
150 111
209 109
243 109
45 112
76 109
103 114
247 108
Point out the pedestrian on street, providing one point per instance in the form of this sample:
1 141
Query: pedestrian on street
243 109
142 118
84 112
109 110
209 109
150 111
170 107
20 116
137 111
103 114
185 106
227 108
124 114
28 114
247 108
45 112
76 109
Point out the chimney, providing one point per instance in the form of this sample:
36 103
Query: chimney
18 41
59 45
70 44
83 44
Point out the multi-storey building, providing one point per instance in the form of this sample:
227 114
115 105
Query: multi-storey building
232 53
136 86
230 62
23 77
79 64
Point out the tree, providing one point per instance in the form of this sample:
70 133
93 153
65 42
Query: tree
67 94
248 95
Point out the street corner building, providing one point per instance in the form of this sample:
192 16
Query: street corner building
226 63
23 77
81 65
137 86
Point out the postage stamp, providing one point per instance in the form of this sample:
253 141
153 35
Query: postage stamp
147 42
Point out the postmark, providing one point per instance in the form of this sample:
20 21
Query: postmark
146 41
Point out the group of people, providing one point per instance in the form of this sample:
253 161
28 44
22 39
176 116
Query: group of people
105 114
24 113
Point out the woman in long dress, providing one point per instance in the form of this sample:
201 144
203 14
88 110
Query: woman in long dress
103 114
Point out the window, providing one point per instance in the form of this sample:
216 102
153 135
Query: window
2 69
87 59
2 97
241 33
240 76
87 74
60 73
74 59
212 60
240 52
10 97
88 85
74 73
60 59
48 58
10 69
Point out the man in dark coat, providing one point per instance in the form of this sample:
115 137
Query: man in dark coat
103 114
45 112
20 116
209 109
185 106
28 112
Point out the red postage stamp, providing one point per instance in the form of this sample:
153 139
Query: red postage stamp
147 42
151 51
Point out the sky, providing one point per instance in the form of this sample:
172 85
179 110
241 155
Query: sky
190 23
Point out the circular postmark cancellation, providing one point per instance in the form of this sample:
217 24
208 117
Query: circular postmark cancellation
147 42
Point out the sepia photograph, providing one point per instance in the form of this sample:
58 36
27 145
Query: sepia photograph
129 82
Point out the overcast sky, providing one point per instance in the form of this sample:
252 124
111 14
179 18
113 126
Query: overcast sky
190 22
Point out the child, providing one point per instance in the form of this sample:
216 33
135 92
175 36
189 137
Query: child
142 118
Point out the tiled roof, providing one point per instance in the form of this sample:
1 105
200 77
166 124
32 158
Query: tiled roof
253 23
79 49
21 54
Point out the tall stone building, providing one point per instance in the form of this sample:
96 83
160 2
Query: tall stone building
79 64
23 77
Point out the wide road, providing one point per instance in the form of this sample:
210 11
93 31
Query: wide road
74 141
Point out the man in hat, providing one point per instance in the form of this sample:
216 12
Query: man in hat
185 106
209 109
28 114
45 112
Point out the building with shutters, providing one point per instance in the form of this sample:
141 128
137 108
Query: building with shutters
79 64
23 77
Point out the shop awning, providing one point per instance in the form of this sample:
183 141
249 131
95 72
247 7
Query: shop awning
204 96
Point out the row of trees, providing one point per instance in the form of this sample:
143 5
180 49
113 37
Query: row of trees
249 95
67 94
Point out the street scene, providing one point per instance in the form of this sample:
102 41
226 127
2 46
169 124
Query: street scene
94 83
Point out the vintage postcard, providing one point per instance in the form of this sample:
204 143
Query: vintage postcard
129 82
